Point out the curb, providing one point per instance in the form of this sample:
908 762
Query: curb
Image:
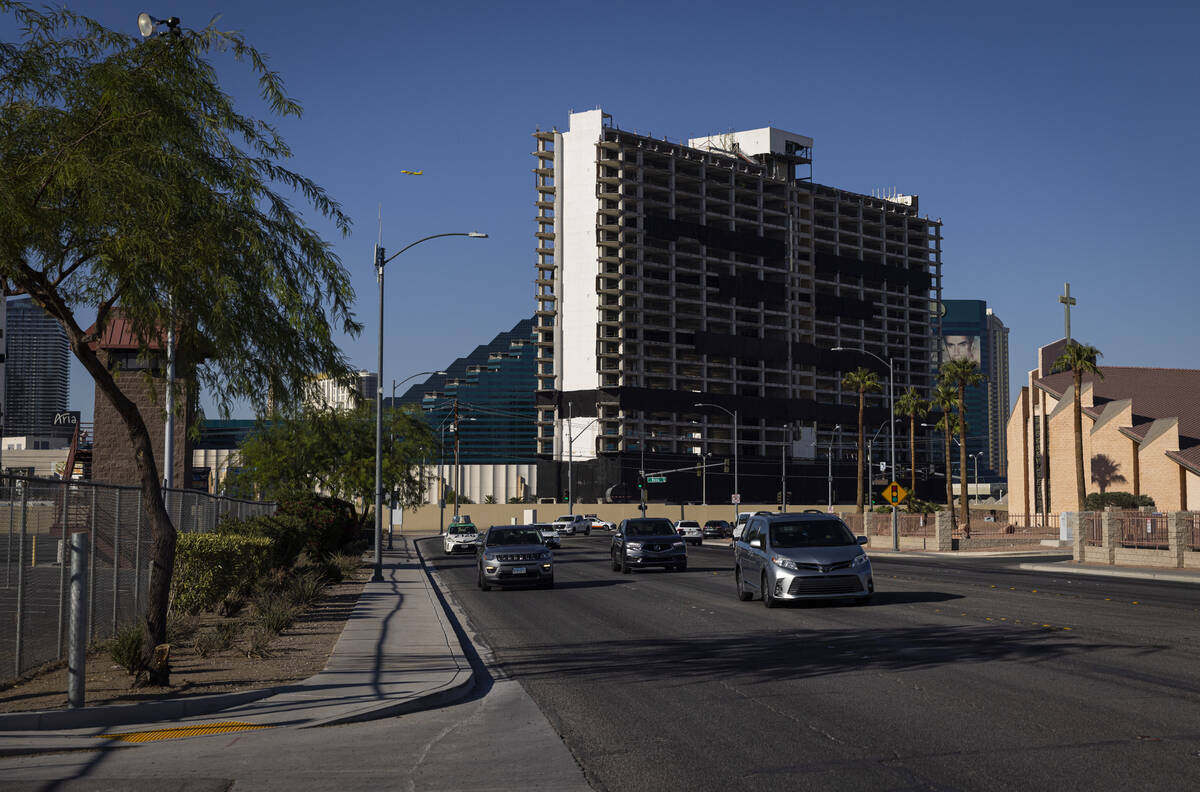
123 714
1117 573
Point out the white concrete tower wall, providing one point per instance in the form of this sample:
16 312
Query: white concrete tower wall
576 252
767 140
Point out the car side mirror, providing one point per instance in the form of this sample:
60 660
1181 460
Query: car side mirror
863 540
756 543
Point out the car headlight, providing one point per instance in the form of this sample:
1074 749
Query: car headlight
677 544
633 545
543 556
489 556
781 561
860 560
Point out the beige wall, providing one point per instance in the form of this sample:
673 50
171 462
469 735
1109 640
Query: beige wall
1160 474
1020 461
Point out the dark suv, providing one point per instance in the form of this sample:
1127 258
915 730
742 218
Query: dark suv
645 542
718 529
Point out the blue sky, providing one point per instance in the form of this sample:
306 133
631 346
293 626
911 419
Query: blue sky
1056 141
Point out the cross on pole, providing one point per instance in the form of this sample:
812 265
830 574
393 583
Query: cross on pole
1067 300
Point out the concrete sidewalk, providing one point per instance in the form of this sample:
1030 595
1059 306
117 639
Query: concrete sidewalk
397 653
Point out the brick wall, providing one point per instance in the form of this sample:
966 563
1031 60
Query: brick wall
112 455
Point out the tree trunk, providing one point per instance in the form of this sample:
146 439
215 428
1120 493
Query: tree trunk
949 477
912 456
962 461
862 395
1080 486
162 532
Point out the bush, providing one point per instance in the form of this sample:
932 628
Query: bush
343 566
286 534
126 648
208 567
914 506
306 587
218 639
328 523
275 611
1099 501
181 627
257 643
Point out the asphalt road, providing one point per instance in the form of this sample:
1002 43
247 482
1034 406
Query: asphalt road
962 674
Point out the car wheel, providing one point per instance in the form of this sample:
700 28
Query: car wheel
743 595
587 532
625 567
483 586
681 566
616 565
769 600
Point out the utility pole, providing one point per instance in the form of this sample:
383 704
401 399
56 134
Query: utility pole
836 428
570 460
783 468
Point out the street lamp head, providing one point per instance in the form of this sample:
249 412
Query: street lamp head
477 235
147 24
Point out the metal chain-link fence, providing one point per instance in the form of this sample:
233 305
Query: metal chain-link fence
38 515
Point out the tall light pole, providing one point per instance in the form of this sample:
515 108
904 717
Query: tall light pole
787 430
736 489
380 263
892 421
975 460
571 435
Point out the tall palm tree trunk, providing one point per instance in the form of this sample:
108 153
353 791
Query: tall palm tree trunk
912 455
859 462
962 461
949 479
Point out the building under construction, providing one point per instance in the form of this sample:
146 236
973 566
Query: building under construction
717 273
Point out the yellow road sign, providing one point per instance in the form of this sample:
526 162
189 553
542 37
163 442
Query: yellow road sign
893 493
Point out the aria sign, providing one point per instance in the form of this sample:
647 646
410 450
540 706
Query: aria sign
66 419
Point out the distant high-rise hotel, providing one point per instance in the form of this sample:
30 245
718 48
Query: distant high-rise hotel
715 273
37 371
971 330
325 392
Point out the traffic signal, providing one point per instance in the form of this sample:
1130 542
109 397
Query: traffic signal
726 465
641 483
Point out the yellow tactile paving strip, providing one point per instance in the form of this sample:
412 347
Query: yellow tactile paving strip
187 731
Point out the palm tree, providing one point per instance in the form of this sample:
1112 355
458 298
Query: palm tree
962 374
1079 359
861 380
912 405
945 398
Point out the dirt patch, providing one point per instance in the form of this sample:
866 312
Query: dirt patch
295 654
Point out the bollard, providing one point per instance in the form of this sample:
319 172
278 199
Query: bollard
77 651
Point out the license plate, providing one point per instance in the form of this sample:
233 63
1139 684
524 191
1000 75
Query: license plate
518 570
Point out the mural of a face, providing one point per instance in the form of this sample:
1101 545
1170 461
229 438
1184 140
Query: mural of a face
960 347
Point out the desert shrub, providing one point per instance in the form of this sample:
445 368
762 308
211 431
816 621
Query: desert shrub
217 639
126 647
231 606
275 611
344 566
1099 501
181 627
304 588
210 566
258 642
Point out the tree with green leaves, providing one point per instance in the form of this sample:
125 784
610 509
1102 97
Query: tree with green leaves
861 380
961 374
333 451
132 188
945 399
1079 359
911 404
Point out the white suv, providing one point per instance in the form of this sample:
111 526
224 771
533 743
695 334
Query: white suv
570 524
690 531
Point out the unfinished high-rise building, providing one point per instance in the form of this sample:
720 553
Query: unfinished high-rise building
690 297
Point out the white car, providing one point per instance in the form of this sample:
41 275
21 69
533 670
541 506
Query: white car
690 531
571 524
460 538
600 525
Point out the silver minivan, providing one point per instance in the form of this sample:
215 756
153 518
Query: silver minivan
801 556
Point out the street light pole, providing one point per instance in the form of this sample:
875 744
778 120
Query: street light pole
380 263
892 421
836 428
783 468
734 415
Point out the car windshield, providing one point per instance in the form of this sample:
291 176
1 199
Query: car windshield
649 527
513 536
688 524
461 529
566 518
810 533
